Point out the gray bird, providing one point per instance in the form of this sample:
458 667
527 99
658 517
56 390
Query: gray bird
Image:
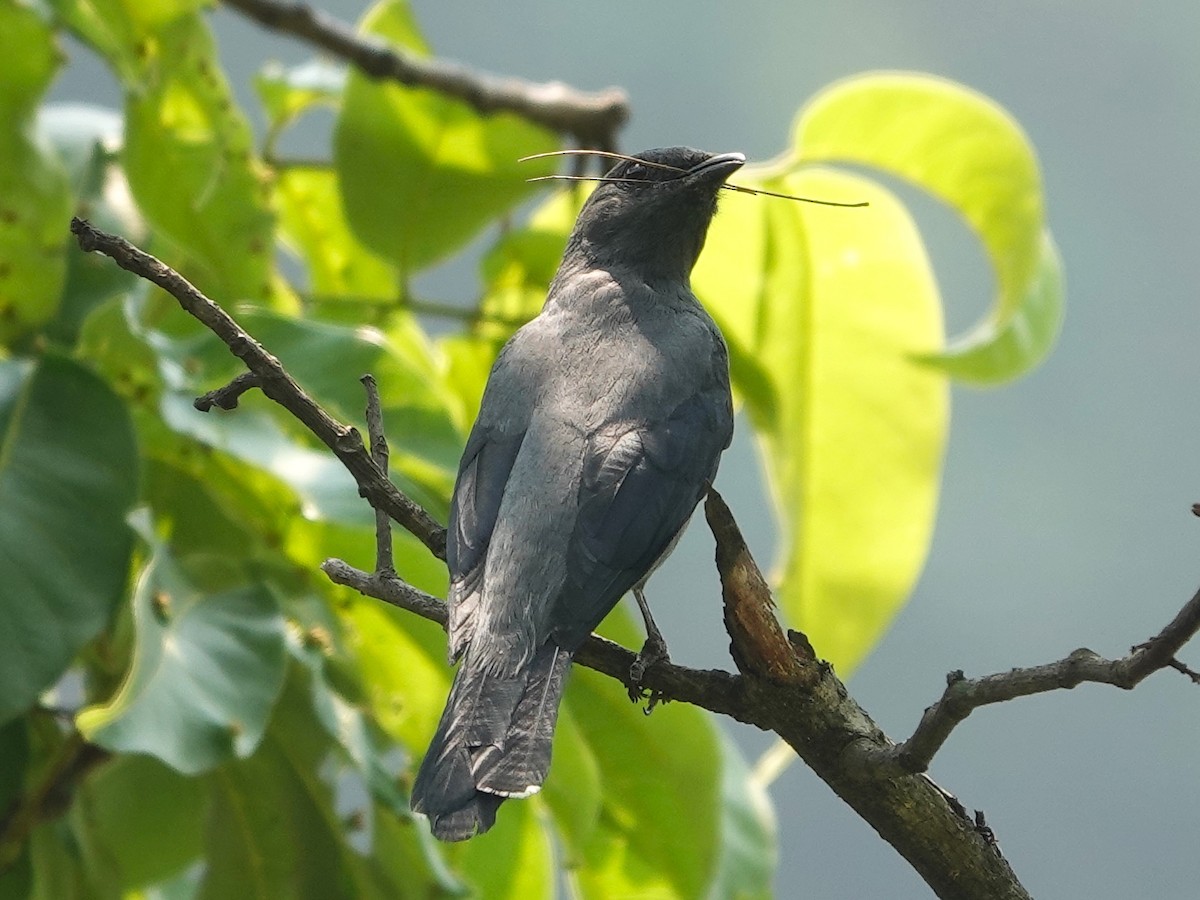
600 429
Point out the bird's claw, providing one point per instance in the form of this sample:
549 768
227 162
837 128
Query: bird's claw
652 652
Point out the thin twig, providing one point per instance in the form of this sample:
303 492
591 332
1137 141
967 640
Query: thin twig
592 119
275 382
964 695
227 397
712 689
379 453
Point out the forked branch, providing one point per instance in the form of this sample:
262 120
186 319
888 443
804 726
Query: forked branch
781 686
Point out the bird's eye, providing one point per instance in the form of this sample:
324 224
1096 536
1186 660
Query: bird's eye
635 170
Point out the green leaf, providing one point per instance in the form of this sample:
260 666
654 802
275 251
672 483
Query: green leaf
401 663
35 201
348 725
206 671
520 266
970 153
420 173
513 861
274 830
68 474
14 755
327 360
288 92
88 139
267 835
749 851
659 828
834 305
190 163
407 859
141 818
314 226
986 354
118 29
516 272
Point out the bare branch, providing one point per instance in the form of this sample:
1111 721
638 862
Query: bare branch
711 689
379 453
782 687
227 397
964 695
275 382
593 119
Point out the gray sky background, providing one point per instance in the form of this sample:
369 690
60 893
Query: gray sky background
1065 508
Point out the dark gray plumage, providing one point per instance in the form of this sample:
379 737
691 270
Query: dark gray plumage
600 429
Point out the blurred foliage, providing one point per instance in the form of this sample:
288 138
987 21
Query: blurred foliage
258 726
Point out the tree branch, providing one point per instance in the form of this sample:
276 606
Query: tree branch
592 119
275 383
964 695
782 687
379 453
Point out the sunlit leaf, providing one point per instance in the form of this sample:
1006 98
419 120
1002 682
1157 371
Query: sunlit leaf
513 861
190 163
88 139
68 474
207 669
834 306
116 29
421 173
992 350
313 224
289 92
403 668
35 200
970 153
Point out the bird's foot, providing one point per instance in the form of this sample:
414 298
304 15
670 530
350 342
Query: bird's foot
652 652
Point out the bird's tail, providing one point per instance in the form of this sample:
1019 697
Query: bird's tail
493 742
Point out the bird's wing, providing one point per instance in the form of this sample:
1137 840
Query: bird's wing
483 473
641 481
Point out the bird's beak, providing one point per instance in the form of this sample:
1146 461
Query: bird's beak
718 167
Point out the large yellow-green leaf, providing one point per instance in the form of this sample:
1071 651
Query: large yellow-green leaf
190 163
833 306
420 173
35 201
970 153
68 474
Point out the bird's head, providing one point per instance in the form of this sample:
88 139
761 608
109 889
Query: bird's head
652 210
